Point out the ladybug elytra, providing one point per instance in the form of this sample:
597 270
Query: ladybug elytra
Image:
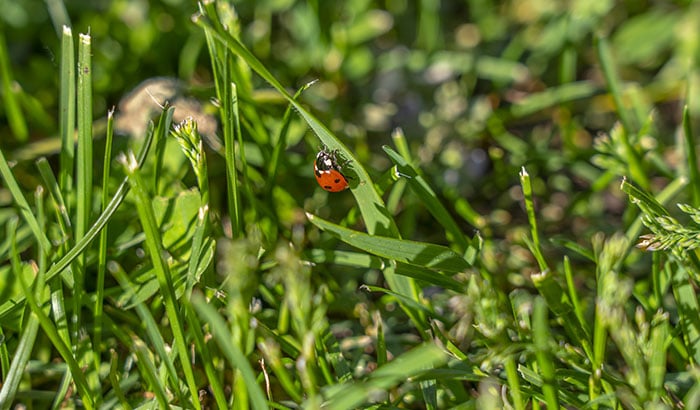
328 173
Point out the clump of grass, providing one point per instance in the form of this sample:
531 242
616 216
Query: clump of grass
190 282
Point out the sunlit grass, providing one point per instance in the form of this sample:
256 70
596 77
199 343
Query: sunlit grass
176 269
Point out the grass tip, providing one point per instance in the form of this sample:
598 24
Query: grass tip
128 159
397 133
623 182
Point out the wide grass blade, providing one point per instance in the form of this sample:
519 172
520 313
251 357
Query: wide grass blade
84 172
436 257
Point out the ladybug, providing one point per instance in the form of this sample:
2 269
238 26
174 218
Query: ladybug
327 171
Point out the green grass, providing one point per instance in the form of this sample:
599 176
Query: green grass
521 229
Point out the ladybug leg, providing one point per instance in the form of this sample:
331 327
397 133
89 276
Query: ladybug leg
338 159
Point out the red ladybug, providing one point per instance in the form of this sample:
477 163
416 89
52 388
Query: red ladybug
327 171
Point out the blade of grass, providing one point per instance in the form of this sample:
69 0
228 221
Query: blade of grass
514 383
58 13
208 356
552 97
281 143
345 258
83 171
536 247
558 302
688 311
271 352
428 197
116 385
415 253
66 108
540 338
202 247
51 184
573 296
149 371
102 252
428 276
4 355
24 208
9 89
647 203
422 311
233 126
226 91
691 158
161 269
660 340
631 155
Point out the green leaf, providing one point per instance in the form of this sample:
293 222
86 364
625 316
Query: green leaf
411 364
428 197
414 253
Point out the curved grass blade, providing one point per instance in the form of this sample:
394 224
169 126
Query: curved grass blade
411 252
419 185
24 208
